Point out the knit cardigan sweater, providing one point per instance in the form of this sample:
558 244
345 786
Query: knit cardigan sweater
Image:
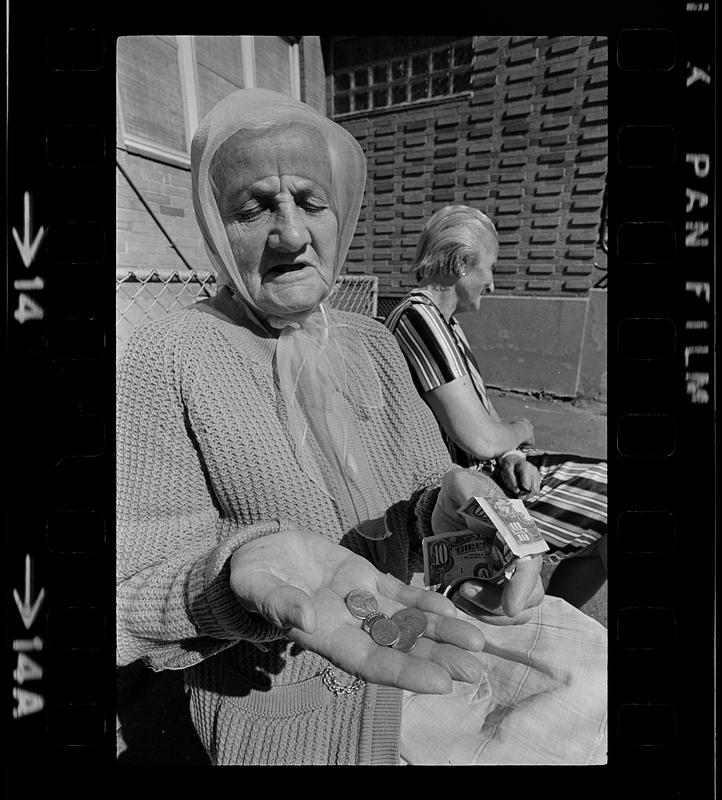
204 464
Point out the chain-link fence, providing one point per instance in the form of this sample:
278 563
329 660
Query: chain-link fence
143 295
357 293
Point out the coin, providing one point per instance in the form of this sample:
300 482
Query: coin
385 632
412 617
407 639
373 617
361 603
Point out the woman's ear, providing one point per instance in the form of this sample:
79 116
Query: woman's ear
457 269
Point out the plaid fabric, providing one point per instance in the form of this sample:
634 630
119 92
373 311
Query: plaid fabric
542 699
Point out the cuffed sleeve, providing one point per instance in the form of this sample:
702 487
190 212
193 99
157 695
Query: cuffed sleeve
424 508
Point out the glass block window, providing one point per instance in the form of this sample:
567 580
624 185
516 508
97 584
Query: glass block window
403 76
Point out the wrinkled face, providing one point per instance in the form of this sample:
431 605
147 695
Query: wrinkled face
478 279
273 194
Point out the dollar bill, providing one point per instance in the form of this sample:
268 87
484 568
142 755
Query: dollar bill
450 558
510 519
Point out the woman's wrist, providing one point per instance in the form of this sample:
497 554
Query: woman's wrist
522 431
514 452
526 429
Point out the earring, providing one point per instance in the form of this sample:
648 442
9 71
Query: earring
463 273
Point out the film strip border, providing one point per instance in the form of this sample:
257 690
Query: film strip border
661 407
59 534
59 554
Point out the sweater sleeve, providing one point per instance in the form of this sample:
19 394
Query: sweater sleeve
174 602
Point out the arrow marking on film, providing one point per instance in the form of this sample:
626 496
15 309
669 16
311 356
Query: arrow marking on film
28 250
28 611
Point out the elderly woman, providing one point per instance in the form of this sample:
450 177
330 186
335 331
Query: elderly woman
272 457
566 495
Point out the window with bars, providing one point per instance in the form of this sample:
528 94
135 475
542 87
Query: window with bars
424 74
166 84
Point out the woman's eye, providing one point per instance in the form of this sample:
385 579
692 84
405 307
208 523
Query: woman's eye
311 202
248 213
314 206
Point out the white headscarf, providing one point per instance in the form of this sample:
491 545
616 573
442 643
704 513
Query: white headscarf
321 365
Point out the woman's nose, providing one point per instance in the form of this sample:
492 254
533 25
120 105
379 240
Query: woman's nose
289 231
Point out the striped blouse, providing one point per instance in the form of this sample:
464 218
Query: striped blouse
437 352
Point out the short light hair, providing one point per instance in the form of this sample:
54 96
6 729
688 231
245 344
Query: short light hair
449 242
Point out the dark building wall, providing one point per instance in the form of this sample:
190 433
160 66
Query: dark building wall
528 146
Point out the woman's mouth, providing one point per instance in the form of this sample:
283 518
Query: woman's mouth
282 269
285 269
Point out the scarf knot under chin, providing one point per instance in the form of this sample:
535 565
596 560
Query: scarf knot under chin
325 373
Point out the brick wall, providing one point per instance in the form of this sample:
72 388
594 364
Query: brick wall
167 190
529 147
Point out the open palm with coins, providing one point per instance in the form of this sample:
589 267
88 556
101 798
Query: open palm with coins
324 596
301 582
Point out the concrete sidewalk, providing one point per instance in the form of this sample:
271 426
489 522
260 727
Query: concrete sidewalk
574 427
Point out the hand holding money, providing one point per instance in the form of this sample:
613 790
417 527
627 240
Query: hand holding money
493 603
300 582
522 590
